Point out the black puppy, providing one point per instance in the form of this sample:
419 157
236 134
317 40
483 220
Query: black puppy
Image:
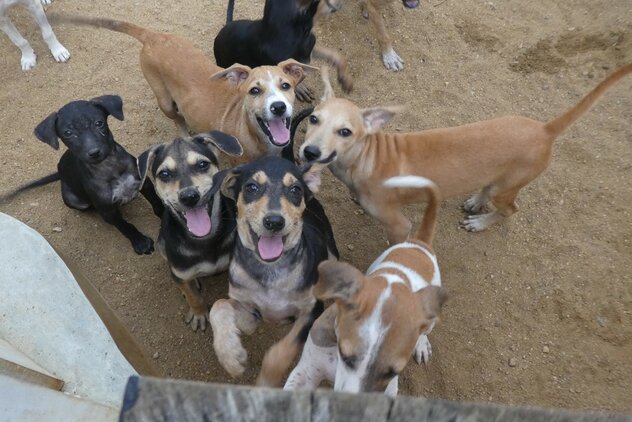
284 32
95 171
197 232
283 234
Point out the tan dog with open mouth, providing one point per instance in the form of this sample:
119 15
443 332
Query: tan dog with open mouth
501 156
364 340
254 105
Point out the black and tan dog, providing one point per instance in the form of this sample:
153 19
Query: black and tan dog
197 232
283 234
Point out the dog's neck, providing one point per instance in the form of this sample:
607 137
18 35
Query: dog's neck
358 162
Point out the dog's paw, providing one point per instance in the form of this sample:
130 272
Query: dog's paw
60 53
143 245
423 350
231 354
304 94
196 320
345 81
392 61
28 61
46 2
473 205
477 223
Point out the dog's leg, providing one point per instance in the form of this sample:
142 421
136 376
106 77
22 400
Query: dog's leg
28 55
505 204
303 93
198 311
389 57
142 244
58 51
423 350
397 225
165 102
392 387
476 202
331 56
228 320
71 199
316 363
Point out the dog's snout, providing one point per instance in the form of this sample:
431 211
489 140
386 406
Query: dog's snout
311 153
274 222
94 153
278 108
189 197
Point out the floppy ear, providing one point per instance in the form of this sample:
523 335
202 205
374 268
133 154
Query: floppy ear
229 183
218 181
236 74
146 160
112 104
295 69
311 175
431 299
328 89
46 131
226 143
338 280
375 118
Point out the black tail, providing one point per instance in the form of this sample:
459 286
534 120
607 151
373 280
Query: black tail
34 184
229 11
288 151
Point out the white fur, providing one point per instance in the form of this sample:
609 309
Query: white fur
316 364
408 182
392 61
275 94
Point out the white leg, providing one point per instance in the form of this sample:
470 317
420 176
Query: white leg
423 350
58 51
392 387
316 363
28 55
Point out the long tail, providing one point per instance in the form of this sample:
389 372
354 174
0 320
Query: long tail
426 230
34 184
288 151
560 123
229 11
135 31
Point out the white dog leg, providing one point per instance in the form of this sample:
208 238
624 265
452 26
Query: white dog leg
58 51
316 363
28 55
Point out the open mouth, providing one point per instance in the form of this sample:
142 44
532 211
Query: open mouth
277 130
269 247
198 221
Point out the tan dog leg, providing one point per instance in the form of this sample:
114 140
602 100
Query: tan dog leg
397 225
389 57
505 206
165 102
196 317
332 57
228 320
280 357
477 201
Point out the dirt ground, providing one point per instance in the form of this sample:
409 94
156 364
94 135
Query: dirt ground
540 308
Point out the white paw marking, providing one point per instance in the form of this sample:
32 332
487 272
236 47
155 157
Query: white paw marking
28 61
477 223
474 204
423 350
392 61
60 53
196 320
230 353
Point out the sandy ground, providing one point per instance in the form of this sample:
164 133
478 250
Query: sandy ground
540 308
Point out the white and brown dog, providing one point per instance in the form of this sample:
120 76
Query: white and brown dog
364 340
36 8
499 156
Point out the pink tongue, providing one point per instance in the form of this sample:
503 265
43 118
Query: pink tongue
270 247
198 221
279 132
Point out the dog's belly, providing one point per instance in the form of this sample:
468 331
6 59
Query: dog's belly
125 188
274 305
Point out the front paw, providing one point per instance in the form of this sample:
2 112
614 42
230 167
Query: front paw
423 350
304 94
392 61
231 354
60 53
28 61
197 320
143 245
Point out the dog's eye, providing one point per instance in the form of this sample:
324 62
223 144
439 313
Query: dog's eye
67 133
98 123
313 119
203 165
254 91
165 175
285 86
296 190
345 133
251 188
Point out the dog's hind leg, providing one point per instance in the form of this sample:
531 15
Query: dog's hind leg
229 319
72 200
198 311
505 203
397 225
165 101
58 51
316 364
28 55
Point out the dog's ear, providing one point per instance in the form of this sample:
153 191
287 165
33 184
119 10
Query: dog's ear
375 118
311 175
338 280
146 161
236 74
218 181
112 104
431 299
296 70
328 89
226 143
47 132
229 183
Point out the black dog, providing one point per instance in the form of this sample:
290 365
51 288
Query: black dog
283 234
95 171
284 32
197 232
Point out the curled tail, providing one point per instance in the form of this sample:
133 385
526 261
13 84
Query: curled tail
135 31
34 184
426 230
288 151
229 11
560 123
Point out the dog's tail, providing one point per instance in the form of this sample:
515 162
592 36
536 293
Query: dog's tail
426 230
288 151
34 184
135 31
229 11
560 123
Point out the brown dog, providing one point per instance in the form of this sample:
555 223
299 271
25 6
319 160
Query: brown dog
373 10
254 105
501 156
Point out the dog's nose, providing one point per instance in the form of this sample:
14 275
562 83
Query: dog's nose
94 153
274 222
189 197
278 108
311 153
